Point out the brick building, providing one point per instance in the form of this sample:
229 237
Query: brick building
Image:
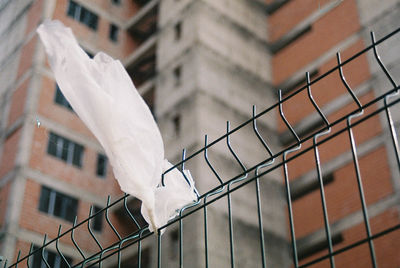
198 63
311 37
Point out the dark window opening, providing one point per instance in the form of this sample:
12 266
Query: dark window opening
101 168
83 15
97 222
309 250
64 149
299 83
113 32
177 124
177 75
289 39
174 236
60 99
275 5
178 30
52 258
298 192
58 204
116 2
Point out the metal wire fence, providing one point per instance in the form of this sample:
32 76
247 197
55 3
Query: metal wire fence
311 142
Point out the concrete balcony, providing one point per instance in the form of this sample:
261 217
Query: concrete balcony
144 23
141 64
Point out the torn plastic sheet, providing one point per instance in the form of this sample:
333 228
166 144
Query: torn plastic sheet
103 95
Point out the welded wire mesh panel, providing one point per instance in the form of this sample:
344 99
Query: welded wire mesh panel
282 210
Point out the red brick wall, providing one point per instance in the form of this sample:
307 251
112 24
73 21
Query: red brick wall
386 247
18 101
10 148
326 32
4 194
342 194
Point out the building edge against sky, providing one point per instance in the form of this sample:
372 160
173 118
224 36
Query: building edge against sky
197 64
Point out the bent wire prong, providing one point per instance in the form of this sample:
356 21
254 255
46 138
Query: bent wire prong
43 252
285 169
184 175
386 99
73 239
310 96
58 249
108 219
260 138
208 162
319 171
129 212
285 120
228 143
90 229
351 92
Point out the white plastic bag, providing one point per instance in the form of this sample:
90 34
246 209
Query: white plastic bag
102 94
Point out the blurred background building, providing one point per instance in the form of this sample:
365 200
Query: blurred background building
197 64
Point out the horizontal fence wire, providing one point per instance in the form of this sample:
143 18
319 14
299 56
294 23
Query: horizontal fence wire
246 176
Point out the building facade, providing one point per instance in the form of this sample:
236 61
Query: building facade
198 64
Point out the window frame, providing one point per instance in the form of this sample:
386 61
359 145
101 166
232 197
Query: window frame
113 33
50 199
178 30
83 15
60 99
101 157
66 150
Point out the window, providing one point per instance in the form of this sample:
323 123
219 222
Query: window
174 236
177 75
113 32
116 2
60 99
101 168
52 258
305 189
177 124
58 204
97 222
178 30
83 15
312 247
66 150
